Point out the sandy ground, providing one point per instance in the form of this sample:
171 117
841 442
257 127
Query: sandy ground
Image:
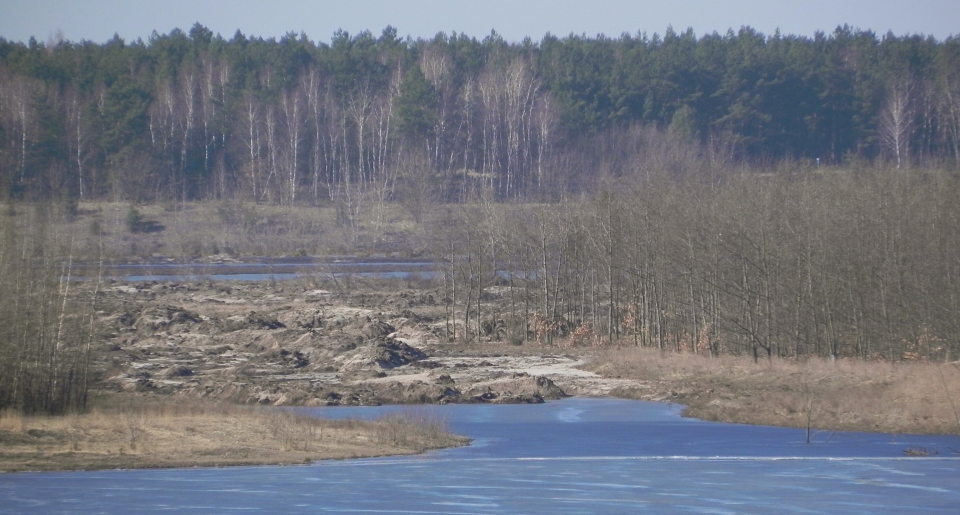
302 343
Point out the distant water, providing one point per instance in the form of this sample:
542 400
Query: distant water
571 456
264 269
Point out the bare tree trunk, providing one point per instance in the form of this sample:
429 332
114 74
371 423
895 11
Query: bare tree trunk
896 119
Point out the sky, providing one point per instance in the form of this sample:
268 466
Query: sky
99 20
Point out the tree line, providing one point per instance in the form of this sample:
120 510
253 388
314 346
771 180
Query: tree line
192 115
47 320
860 264
594 185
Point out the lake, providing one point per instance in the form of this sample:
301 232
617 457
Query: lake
259 269
571 456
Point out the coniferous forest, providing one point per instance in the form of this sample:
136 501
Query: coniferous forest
194 116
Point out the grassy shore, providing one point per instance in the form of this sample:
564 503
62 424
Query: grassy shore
854 395
194 230
161 433
218 330
147 431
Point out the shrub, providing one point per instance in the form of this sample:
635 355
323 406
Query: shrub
134 220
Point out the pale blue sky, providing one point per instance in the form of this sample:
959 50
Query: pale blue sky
98 20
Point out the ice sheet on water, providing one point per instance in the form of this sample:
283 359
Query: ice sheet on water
571 456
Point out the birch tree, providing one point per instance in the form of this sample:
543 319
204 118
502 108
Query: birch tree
897 119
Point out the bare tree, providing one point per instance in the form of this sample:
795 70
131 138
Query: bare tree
188 87
508 94
78 140
950 102
44 335
383 164
416 183
316 92
294 117
251 128
896 119
18 117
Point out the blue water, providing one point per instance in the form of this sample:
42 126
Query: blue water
264 269
269 276
570 456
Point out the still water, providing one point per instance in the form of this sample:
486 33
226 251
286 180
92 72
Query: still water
569 456
262 269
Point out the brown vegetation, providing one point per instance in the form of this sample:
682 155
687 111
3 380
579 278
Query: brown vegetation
846 394
829 263
807 298
833 265
146 432
46 323
228 229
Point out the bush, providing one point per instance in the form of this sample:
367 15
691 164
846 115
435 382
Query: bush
137 223
239 215
135 220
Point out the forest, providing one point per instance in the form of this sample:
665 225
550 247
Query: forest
194 116
841 264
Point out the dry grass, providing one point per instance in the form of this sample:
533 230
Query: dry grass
905 397
200 229
395 430
189 433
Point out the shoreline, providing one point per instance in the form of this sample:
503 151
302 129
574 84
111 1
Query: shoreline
843 395
299 439
172 350
204 435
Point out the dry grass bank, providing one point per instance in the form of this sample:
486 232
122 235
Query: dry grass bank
192 433
904 397
200 229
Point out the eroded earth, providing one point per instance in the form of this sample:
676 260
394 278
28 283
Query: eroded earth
289 343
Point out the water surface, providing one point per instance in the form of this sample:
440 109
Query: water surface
259 269
571 456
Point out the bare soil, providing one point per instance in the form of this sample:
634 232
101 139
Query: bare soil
303 342
291 343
